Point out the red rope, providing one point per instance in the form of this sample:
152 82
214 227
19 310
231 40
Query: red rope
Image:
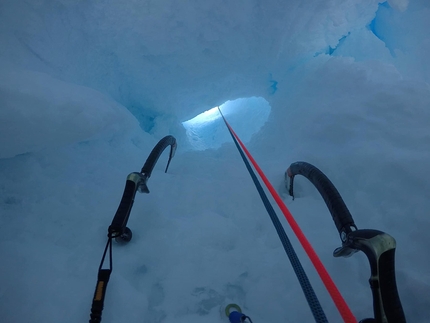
340 303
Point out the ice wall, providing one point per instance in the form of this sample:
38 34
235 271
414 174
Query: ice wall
40 112
351 96
201 54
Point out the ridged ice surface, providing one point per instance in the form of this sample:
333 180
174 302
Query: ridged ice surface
87 88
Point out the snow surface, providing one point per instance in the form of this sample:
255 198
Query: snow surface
88 88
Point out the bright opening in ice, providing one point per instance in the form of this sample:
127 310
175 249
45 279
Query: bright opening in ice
246 116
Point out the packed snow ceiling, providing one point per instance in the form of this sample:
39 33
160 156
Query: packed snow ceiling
168 61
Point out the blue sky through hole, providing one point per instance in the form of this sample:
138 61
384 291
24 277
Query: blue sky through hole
246 115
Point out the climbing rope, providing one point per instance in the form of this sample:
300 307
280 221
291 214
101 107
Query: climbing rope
309 292
313 302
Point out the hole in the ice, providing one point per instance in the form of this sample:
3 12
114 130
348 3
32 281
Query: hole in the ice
245 115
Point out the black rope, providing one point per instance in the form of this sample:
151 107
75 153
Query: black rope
309 292
108 245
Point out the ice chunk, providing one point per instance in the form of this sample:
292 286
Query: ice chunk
400 5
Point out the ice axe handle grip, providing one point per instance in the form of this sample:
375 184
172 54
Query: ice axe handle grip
122 214
390 297
99 296
380 248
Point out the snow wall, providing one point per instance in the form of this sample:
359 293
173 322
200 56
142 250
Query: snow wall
88 88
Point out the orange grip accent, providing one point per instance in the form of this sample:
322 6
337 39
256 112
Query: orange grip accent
99 291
